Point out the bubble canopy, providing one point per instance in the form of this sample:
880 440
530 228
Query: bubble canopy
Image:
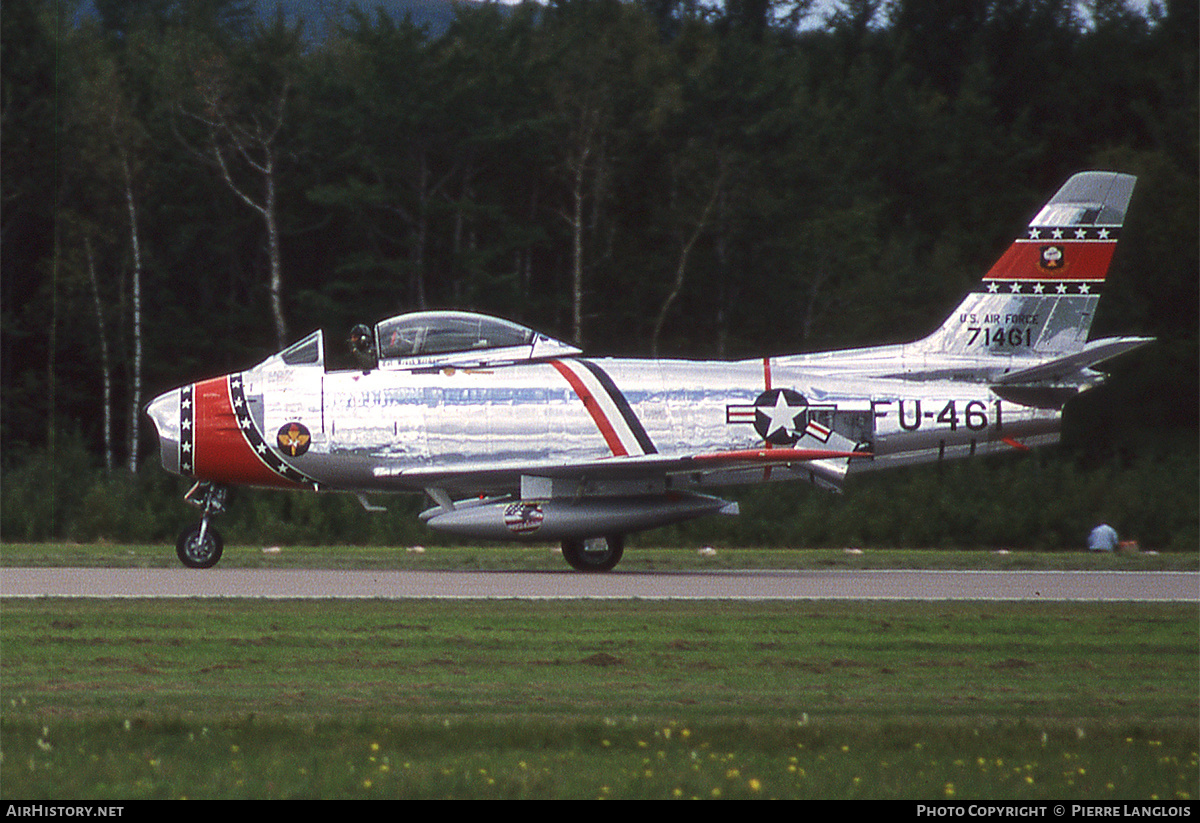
436 337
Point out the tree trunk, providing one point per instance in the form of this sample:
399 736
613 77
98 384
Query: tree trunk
271 218
135 416
681 268
577 258
105 362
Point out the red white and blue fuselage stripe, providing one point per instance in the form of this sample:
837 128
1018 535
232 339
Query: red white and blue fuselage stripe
620 427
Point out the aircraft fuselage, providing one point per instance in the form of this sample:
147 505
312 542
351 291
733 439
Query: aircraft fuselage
403 430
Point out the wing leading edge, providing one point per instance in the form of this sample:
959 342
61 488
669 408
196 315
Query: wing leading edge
649 471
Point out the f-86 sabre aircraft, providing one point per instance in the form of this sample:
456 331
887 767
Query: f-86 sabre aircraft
517 436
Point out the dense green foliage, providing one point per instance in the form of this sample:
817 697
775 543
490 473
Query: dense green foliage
188 186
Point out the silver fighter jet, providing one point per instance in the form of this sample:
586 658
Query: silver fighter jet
517 436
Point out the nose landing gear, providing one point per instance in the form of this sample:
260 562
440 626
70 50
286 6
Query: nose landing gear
200 546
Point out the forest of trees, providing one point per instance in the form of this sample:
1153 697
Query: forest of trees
189 185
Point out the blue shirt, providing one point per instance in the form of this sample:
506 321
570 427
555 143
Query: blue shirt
1103 539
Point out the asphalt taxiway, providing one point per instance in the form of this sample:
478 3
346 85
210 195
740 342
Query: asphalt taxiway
1129 586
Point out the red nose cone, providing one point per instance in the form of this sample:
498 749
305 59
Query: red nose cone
227 445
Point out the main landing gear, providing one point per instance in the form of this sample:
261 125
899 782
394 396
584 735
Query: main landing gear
598 554
200 546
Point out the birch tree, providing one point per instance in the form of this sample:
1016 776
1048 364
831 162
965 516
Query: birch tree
689 232
106 142
605 56
239 96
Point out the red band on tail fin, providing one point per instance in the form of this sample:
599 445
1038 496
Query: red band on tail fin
1055 260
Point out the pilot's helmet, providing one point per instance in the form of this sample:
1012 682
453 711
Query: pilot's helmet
361 339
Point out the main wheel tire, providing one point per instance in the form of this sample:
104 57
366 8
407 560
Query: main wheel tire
595 555
197 554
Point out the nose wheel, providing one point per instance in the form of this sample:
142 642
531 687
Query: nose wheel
200 546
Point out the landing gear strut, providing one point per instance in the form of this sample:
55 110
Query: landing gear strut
599 554
200 546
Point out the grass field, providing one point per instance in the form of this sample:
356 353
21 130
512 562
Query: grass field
594 699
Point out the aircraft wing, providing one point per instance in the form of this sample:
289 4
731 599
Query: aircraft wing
491 477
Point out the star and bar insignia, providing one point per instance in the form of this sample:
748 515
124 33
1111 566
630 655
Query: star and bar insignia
782 416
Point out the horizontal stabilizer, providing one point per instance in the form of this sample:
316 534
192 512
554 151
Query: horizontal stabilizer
1061 368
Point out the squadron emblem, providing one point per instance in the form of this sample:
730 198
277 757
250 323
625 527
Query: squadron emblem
294 439
1051 258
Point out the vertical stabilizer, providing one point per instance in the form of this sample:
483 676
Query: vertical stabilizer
1040 297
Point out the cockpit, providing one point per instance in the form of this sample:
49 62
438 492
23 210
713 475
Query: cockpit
432 339
425 334
460 338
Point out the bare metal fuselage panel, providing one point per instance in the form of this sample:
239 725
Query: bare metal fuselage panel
605 423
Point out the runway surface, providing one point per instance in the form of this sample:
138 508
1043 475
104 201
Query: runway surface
717 585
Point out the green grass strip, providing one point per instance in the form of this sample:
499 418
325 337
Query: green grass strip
229 698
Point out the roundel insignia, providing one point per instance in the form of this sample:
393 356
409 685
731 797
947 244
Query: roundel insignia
294 439
776 415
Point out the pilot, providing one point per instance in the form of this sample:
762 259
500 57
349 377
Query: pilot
360 340
362 345
1103 538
